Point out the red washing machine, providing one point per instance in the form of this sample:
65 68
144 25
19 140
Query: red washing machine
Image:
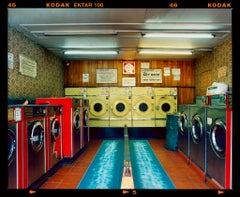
86 132
228 173
71 123
15 150
53 135
34 146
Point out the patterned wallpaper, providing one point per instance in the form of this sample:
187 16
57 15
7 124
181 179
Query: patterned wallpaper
50 72
211 63
50 77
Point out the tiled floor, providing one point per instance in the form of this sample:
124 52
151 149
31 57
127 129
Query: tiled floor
183 175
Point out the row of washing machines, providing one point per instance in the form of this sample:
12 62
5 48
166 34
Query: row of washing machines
127 106
205 137
42 134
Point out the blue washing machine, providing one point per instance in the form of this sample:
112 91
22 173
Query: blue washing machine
183 130
197 131
216 143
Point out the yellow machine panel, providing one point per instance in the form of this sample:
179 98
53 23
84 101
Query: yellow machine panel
120 107
77 92
98 106
165 91
143 109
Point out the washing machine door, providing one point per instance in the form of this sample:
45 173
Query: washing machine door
76 120
85 117
217 137
36 136
197 129
11 146
120 108
143 108
98 108
183 124
55 129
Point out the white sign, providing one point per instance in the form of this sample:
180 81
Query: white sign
85 77
106 75
151 75
27 66
10 60
129 81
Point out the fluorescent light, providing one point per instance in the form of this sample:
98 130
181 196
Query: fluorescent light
81 52
172 52
178 35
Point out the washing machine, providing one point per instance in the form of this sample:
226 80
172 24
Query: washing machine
228 180
53 135
183 130
99 106
120 107
197 126
165 102
71 123
216 144
34 143
85 135
15 161
143 107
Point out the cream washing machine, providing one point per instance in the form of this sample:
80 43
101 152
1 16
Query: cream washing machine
165 102
120 107
143 110
98 106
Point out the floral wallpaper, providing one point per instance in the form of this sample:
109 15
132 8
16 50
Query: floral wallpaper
50 77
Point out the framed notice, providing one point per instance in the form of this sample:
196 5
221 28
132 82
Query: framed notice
128 67
27 66
151 75
106 75
128 81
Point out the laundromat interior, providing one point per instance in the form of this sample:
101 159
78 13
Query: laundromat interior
120 98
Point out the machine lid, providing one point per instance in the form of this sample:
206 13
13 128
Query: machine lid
197 129
55 129
183 124
11 146
36 136
218 138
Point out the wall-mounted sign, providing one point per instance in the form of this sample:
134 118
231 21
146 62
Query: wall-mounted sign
129 81
10 60
128 67
145 65
85 77
176 72
27 66
151 75
106 75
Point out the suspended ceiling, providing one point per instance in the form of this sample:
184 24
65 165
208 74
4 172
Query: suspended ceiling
121 29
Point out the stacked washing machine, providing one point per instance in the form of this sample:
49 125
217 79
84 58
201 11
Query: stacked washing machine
183 130
71 123
216 140
120 107
34 156
165 102
15 151
99 106
143 107
197 127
